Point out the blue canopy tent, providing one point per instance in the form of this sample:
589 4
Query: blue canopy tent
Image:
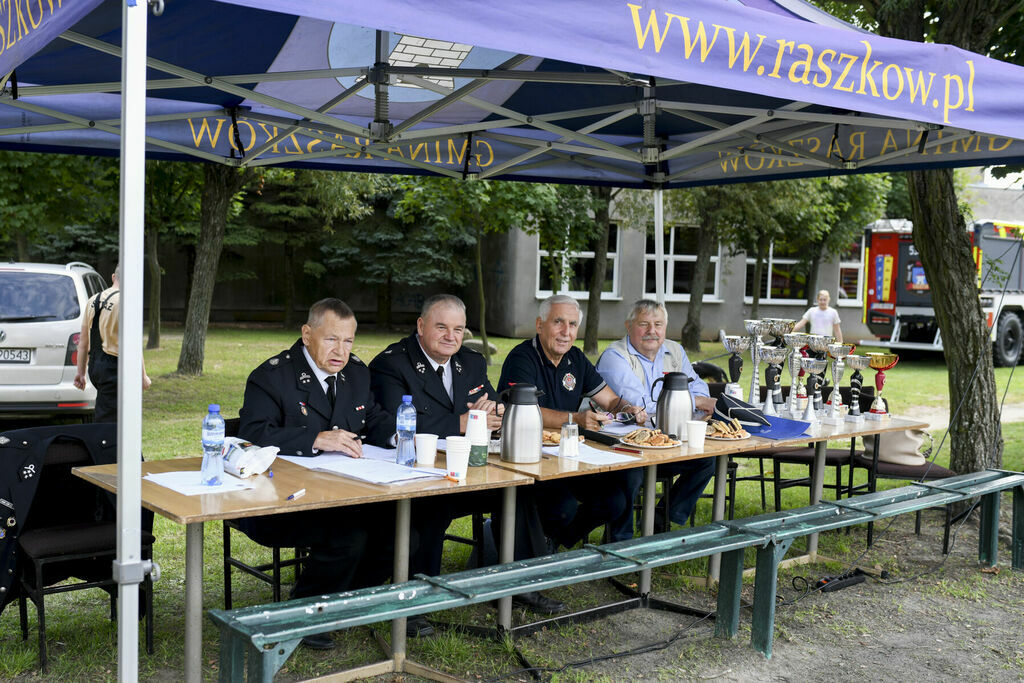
655 94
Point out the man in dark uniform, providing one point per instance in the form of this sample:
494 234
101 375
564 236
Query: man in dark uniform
310 398
570 511
446 381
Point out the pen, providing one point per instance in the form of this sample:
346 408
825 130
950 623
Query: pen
298 494
450 478
627 450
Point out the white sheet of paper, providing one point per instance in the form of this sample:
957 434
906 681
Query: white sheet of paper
374 453
617 428
364 469
593 456
187 483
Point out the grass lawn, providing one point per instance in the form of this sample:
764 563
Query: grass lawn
82 642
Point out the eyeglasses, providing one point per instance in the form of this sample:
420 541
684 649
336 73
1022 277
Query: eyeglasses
624 418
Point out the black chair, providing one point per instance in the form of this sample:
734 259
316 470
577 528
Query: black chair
267 572
70 534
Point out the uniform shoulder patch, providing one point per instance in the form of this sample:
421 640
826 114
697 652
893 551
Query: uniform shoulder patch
354 358
469 349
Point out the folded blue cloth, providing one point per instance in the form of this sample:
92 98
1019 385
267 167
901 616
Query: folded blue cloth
779 428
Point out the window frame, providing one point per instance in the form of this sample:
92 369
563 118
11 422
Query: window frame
858 265
769 268
671 258
567 258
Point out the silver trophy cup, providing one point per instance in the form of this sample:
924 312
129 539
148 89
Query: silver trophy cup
775 356
735 345
856 363
813 367
755 328
838 352
794 341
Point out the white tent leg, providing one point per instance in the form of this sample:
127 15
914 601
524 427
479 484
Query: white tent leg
659 246
128 567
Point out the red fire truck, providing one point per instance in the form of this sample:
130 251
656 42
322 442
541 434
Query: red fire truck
898 301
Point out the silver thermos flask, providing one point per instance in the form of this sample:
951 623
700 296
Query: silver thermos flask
675 405
522 427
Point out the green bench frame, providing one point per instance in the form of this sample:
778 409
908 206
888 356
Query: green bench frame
266 635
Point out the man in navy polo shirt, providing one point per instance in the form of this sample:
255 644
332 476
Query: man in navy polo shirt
569 511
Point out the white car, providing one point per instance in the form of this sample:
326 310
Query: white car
41 310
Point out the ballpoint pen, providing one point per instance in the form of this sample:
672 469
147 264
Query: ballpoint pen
298 494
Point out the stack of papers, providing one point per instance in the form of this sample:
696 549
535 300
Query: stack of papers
617 428
594 456
187 483
371 468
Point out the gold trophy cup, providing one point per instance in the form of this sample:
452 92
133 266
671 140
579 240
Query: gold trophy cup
880 362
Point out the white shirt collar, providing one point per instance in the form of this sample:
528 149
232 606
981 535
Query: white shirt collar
317 370
434 365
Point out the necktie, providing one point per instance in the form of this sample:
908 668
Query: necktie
331 389
440 375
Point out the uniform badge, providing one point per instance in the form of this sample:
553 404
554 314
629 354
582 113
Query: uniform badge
420 367
4 441
458 367
302 408
476 389
11 521
3 533
341 376
569 381
274 361
6 503
304 378
358 408
387 352
26 472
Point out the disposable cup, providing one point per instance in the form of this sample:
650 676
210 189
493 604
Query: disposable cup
695 431
426 449
476 428
458 457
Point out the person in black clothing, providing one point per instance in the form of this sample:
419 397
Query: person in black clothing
569 511
446 380
310 398
98 345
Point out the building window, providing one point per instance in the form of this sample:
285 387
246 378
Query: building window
577 269
784 277
851 275
680 257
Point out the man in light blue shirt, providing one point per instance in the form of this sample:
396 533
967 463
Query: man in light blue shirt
630 366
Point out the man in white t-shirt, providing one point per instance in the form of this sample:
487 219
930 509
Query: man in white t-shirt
823 318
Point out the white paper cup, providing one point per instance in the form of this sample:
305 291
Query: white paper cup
458 457
695 432
426 449
476 428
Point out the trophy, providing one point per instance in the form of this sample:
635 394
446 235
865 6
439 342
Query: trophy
775 356
755 328
858 363
779 328
794 341
880 362
735 344
813 367
838 352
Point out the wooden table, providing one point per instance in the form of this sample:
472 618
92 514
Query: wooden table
550 468
323 490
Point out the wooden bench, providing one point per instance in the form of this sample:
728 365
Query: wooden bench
267 635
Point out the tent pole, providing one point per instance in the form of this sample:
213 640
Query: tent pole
128 568
659 246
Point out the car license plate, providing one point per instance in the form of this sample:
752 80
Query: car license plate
15 355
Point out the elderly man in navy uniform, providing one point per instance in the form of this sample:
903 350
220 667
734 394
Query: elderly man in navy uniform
570 511
446 381
310 398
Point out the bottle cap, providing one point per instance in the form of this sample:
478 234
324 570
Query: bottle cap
214 408
406 398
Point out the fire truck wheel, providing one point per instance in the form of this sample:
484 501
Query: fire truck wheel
1009 337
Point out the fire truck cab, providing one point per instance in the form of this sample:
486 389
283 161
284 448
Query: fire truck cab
898 300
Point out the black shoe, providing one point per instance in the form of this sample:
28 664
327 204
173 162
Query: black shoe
538 603
320 641
418 627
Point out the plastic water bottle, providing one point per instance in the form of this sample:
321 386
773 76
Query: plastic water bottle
213 445
406 422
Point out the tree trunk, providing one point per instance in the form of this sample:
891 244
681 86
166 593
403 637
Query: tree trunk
21 242
976 440
707 243
813 266
762 254
220 184
485 346
384 304
288 320
153 263
601 218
